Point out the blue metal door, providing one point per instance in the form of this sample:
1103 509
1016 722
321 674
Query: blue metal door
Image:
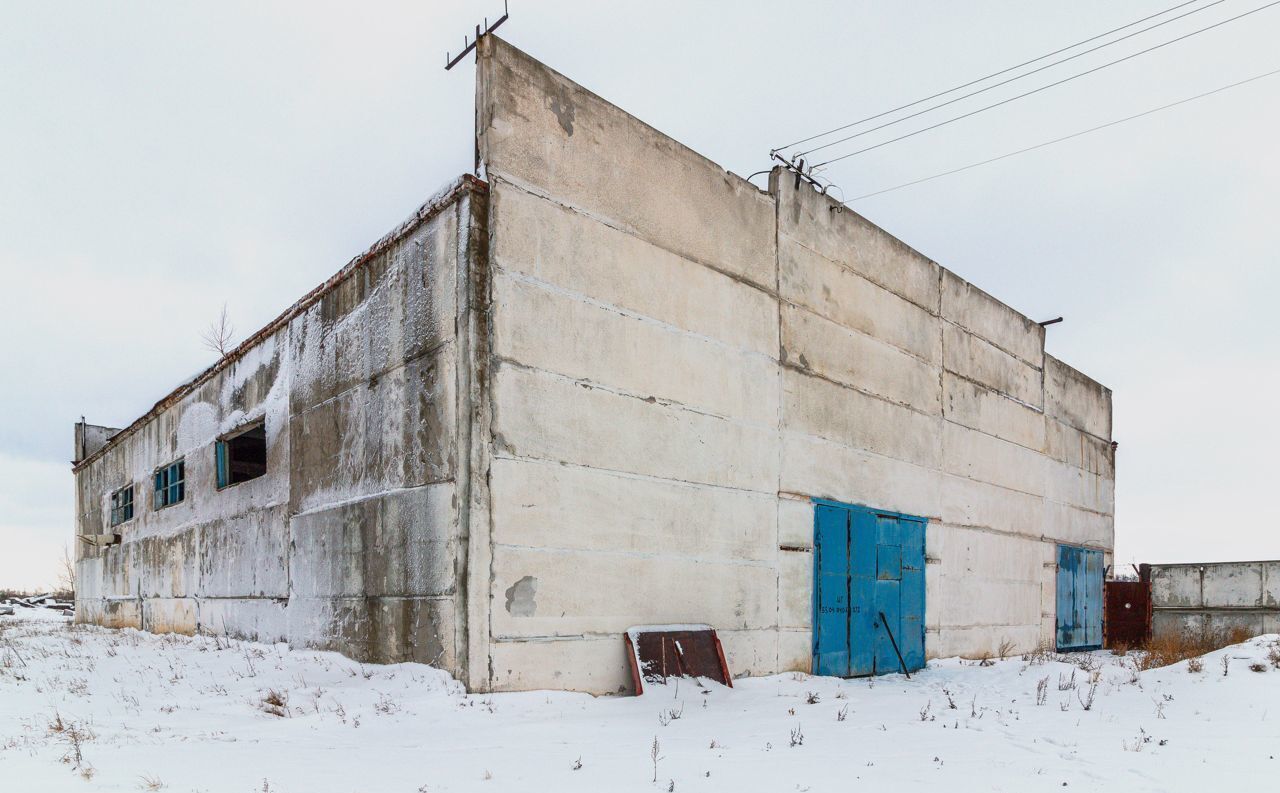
1079 598
862 593
831 596
867 563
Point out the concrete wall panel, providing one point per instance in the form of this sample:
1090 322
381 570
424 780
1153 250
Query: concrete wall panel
750 653
546 505
169 615
817 407
1176 586
1076 399
560 333
548 417
391 544
968 502
795 523
1233 585
795 589
544 240
977 407
841 295
254 619
549 592
983 315
1080 449
539 129
245 556
977 359
826 469
807 218
1079 488
593 664
1068 524
983 457
859 361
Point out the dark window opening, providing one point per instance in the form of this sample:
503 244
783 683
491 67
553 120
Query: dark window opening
242 456
122 505
170 484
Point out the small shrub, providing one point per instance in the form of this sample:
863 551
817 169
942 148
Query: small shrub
842 713
1086 701
1255 667
655 756
275 703
671 714
811 697
797 736
1005 649
1195 665
1042 654
1042 691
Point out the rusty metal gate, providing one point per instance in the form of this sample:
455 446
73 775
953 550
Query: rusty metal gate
1126 613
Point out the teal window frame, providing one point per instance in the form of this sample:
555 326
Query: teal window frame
220 464
223 462
170 484
122 505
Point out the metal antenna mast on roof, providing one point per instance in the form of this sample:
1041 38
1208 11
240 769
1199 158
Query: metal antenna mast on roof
449 63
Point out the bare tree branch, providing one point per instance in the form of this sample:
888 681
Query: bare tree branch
217 337
67 572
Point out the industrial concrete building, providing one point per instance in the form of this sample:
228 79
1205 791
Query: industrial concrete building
608 383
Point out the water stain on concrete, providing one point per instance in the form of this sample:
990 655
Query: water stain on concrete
520 602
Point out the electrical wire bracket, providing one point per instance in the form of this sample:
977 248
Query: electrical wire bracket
468 46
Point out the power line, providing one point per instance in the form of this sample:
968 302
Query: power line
1015 78
1046 87
1067 137
989 76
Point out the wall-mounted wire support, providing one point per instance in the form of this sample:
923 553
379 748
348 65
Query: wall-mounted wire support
468 46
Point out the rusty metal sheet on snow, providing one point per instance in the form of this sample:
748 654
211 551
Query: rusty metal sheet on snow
657 652
1127 607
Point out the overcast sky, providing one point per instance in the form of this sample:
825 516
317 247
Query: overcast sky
161 159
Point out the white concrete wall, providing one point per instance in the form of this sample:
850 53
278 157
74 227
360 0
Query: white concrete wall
1215 597
680 361
351 540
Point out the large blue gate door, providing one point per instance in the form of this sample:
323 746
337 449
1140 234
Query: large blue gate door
867 563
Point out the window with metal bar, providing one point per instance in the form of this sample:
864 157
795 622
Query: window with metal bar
170 484
122 505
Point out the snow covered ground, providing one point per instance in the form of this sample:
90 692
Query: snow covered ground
84 708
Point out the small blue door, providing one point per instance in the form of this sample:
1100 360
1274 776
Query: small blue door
867 563
1079 598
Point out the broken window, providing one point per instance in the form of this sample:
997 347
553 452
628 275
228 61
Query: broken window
241 456
122 505
171 485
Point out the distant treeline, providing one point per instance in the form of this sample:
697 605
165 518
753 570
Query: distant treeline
58 594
